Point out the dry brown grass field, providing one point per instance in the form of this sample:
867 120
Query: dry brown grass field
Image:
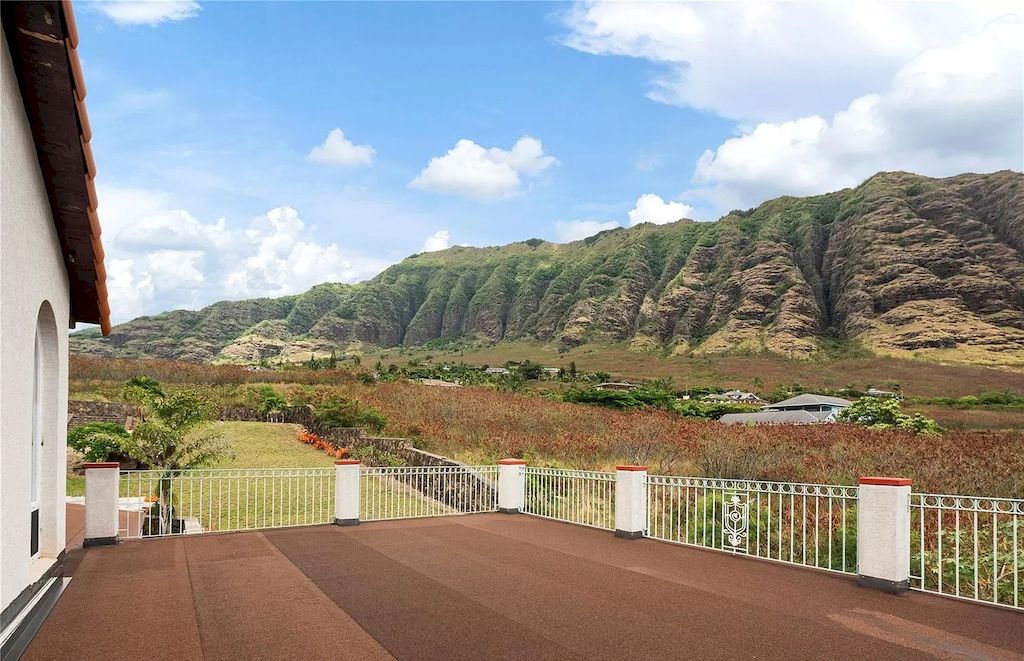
480 425
917 378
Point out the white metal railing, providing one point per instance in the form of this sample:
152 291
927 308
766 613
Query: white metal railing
583 497
813 525
968 547
407 492
155 503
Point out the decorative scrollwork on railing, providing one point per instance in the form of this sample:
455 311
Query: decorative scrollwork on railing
735 511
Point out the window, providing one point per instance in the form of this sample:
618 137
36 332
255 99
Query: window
35 477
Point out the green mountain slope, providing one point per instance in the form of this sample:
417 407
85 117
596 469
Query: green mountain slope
901 264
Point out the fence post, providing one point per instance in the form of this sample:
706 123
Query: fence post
346 492
630 501
883 533
511 485
101 516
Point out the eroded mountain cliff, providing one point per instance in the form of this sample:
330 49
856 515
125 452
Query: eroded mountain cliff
901 264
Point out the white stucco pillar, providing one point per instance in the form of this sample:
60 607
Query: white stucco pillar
346 492
511 485
883 533
630 501
101 517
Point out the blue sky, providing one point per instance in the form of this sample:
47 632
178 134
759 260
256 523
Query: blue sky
488 123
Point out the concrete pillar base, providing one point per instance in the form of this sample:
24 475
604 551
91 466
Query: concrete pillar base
892 587
629 534
100 541
346 522
509 510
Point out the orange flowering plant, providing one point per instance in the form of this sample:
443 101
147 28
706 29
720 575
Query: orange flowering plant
309 438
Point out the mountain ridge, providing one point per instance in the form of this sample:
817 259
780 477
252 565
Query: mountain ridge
901 264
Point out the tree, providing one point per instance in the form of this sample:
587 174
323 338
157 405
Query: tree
530 371
885 413
98 441
175 434
141 389
269 400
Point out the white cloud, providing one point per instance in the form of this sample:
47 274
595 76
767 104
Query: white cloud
148 12
472 171
439 240
952 109
574 230
772 61
650 208
168 258
648 162
336 149
281 258
128 290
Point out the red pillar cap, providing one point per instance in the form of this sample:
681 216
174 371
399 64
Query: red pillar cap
631 468
101 464
885 481
347 462
511 462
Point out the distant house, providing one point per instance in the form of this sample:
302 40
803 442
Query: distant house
737 396
875 392
800 410
810 402
615 385
796 417
551 371
496 370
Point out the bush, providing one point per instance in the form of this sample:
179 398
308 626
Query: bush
622 400
339 412
98 441
269 400
885 413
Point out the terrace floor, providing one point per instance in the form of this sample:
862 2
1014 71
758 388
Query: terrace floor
487 586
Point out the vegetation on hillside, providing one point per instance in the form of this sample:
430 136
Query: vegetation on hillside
902 265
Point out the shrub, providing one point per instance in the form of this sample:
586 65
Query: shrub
269 400
622 400
339 412
98 441
885 413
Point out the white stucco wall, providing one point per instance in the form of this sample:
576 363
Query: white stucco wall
32 276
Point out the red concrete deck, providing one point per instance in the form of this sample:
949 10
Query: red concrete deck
488 586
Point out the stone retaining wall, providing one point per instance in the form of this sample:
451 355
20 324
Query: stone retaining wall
80 413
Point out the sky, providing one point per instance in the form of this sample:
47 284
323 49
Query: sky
252 149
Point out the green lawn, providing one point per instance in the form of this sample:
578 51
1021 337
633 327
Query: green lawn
269 445
255 445
291 498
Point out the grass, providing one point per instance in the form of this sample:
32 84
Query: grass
917 378
76 485
249 503
255 445
269 445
